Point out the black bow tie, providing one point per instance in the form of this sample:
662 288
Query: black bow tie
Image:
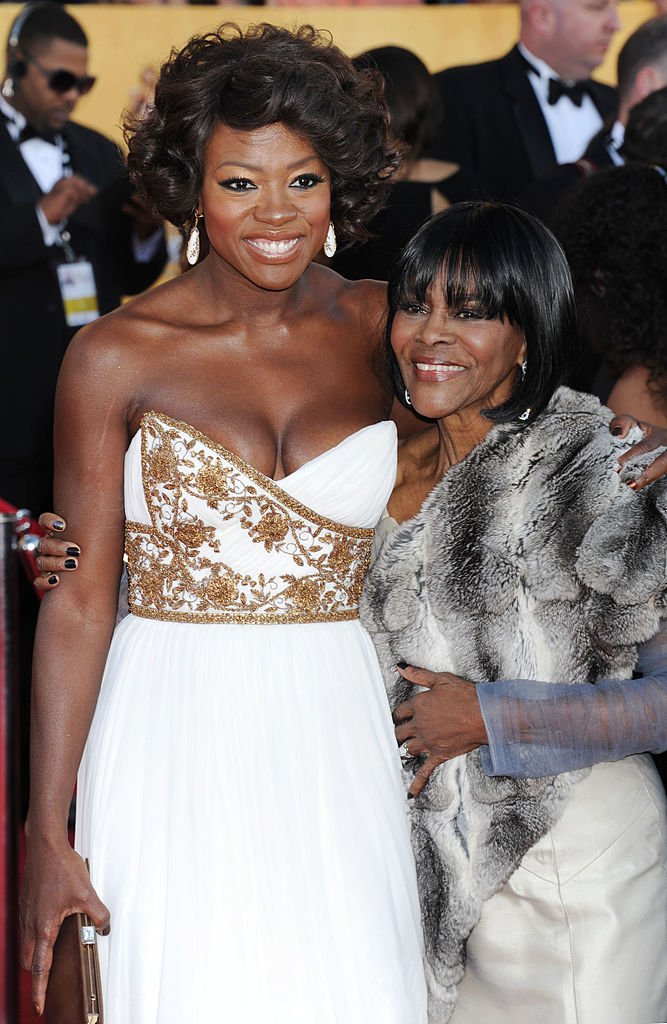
28 132
575 92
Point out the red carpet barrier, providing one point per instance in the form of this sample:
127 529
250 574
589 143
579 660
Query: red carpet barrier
19 537
9 738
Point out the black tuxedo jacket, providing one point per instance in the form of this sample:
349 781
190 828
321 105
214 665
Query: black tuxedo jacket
547 197
33 330
493 125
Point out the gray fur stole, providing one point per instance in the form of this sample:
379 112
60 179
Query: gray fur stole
529 560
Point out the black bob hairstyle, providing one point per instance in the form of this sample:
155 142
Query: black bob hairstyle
505 263
252 78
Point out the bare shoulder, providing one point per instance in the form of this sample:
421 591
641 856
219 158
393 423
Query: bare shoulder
368 298
633 395
363 303
123 337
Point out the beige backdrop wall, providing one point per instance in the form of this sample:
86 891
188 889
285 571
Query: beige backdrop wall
124 39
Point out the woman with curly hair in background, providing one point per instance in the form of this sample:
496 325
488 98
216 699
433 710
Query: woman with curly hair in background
614 232
245 829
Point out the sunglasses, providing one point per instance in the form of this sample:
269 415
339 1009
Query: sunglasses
62 81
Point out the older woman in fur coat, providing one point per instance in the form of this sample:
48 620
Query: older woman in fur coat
515 551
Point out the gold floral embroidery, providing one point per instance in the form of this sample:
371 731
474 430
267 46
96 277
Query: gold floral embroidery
212 480
222 590
176 565
270 529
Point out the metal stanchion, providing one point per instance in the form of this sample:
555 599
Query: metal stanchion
9 739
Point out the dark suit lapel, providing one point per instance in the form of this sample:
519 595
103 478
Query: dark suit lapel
530 122
15 174
83 163
605 100
597 150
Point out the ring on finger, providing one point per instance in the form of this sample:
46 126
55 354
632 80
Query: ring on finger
404 753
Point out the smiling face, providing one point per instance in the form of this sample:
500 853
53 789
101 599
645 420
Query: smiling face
43 108
453 361
266 203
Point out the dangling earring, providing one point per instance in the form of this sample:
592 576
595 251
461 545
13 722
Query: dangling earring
192 249
330 242
8 88
406 396
525 415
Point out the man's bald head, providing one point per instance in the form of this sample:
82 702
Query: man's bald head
572 36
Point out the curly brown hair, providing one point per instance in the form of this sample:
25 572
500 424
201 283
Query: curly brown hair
248 79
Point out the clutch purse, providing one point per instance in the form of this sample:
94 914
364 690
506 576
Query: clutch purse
74 992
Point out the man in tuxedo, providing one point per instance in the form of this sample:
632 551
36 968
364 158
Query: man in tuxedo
507 121
641 71
72 239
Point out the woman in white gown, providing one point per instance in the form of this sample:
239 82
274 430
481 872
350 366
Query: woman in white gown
246 832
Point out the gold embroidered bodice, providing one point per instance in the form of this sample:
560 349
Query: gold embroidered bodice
227 544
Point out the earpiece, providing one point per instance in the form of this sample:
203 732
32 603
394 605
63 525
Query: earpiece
16 66
17 25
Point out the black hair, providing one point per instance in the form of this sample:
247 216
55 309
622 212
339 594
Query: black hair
38 24
510 266
614 231
410 92
647 45
252 78
645 138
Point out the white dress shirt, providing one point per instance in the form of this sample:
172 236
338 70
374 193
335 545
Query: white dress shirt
615 144
571 128
48 162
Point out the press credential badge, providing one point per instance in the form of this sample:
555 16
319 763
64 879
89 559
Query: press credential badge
78 291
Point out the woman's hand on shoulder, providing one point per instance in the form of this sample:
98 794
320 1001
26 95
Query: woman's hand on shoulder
439 723
56 885
56 552
653 439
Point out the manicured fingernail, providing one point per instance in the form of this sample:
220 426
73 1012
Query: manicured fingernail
58 524
402 664
38 1012
73 551
616 431
70 563
411 796
52 580
633 484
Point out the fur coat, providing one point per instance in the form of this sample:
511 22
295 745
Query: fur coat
529 560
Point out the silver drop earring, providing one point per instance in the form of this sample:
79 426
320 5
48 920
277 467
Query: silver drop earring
330 242
8 88
525 415
406 396
192 249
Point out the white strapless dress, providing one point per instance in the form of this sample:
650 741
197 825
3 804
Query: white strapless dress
240 798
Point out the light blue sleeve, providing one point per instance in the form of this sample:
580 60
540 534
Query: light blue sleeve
539 729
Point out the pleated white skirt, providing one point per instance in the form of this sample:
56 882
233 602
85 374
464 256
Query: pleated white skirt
241 806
